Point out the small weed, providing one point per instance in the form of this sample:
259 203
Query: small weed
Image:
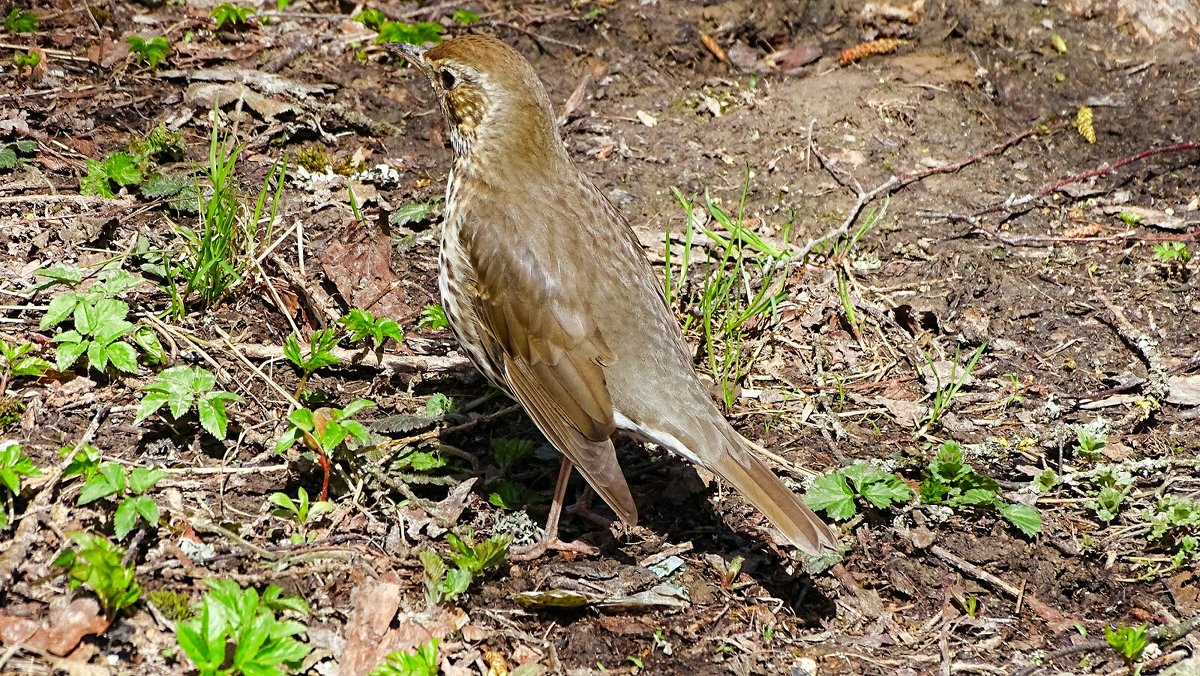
320 355
950 481
16 362
835 493
1172 252
510 452
410 33
945 394
363 325
371 18
12 155
299 511
1130 218
174 605
464 17
95 563
26 62
1128 642
447 584
14 464
728 304
439 404
413 213
433 317
120 169
327 428
21 21
99 329
235 631
235 16
423 661
220 252
148 52
108 479
1091 442
182 388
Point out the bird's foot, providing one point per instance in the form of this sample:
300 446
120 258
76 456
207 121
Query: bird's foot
583 509
549 544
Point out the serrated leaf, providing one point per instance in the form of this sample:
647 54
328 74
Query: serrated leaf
122 168
830 493
212 416
124 519
142 479
411 213
109 479
8 157
1025 518
123 356
61 307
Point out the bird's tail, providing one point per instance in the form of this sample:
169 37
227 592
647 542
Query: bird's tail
740 466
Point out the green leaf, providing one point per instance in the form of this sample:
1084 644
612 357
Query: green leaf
354 407
413 34
142 479
211 410
69 352
123 356
122 168
457 581
150 403
125 518
830 493
21 21
61 307
108 480
411 213
1025 518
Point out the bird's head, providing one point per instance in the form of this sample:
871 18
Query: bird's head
491 97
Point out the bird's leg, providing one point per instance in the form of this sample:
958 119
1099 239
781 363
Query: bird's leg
583 508
550 541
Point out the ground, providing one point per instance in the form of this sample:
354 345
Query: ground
1018 289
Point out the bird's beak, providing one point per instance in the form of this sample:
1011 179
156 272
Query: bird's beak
414 54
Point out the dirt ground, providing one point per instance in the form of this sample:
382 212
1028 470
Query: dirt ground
1007 231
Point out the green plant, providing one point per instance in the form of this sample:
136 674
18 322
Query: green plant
433 317
12 155
21 21
217 255
1128 642
181 388
447 584
235 631
423 661
371 18
149 52
109 479
14 464
950 481
25 62
299 511
172 604
99 329
464 17
1172 252
324 431
440 404
95 563
410 33
727 303
510 452
1091 442
835 493
118 168
235 16
363 325
329 428
945 392
413 213
16 362
320 355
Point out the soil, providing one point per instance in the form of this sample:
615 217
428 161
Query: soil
1008 234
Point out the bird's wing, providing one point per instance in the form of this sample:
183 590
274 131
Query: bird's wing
551 352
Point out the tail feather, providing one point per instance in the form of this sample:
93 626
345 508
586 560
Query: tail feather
752 478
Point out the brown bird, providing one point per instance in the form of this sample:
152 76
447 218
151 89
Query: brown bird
550 295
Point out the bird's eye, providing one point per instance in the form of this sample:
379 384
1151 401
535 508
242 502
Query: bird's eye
447 79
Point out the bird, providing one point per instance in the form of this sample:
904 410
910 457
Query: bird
550 295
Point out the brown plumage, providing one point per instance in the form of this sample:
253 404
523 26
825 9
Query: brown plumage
550 295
